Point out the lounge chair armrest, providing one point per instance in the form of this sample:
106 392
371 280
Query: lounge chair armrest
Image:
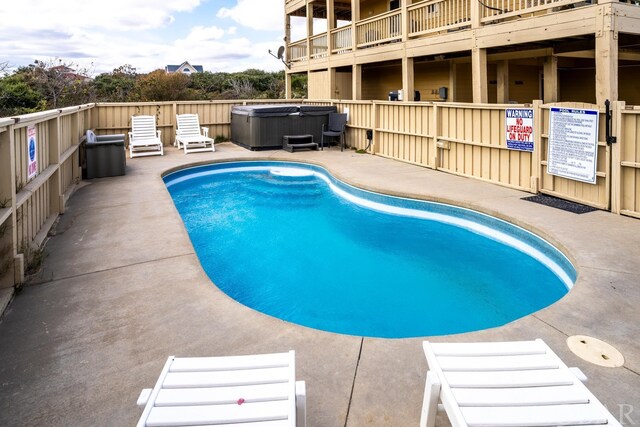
159 132
579 374
205 131
144 397
301 404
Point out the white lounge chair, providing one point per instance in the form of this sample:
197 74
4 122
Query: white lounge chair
191 136
519 383
144 139
239 390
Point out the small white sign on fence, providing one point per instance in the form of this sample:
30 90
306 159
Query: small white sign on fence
519 127
573 144
32 152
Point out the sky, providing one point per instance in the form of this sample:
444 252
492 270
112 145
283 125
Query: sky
100 35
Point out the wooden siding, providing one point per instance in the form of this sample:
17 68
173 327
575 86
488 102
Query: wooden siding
472 143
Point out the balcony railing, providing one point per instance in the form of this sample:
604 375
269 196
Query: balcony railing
501 9
424 19
384 28
319 47
298 51
434 16
341 40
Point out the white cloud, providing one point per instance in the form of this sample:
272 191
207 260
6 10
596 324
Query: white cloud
121 15
139 33
256 14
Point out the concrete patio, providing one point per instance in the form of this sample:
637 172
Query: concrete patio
121 289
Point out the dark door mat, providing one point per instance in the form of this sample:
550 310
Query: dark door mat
565 205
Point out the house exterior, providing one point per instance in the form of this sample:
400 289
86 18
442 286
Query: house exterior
185 68
481 51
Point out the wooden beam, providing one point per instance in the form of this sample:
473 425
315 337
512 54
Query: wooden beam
606 56
520 54
453 81
408 79
356 82
503 82
551 79
287 85
479 75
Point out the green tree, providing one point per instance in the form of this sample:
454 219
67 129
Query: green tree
62 83
117 86
160 86
18 97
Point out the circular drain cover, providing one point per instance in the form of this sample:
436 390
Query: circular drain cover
595 351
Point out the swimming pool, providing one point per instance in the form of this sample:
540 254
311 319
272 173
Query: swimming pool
291 241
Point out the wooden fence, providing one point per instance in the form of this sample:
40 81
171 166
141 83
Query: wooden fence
462 139
49 143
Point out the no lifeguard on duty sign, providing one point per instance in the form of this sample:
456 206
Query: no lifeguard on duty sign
519 127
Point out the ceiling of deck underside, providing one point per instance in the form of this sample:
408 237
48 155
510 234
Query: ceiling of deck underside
342 10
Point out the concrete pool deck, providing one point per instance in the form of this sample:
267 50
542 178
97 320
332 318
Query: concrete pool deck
121 289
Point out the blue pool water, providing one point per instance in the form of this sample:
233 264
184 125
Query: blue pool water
291 241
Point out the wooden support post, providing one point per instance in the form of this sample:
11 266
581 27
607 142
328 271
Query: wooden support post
404 24
503 82
287 85
606 56
309 29
331 24
479 75
551 79
332 89
536 167
408 79
287 73
356 82
355 17
453 81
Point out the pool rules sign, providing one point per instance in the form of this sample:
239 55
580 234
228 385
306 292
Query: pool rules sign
519 126
573 144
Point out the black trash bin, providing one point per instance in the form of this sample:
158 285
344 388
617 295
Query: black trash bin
105 155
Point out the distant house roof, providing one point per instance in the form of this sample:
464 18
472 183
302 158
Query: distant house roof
69 73
185 67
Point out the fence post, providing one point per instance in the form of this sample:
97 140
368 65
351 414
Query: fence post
374 126
435 130
56 191
7 208
536 166
616 149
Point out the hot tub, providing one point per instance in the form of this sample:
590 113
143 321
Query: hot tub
260 127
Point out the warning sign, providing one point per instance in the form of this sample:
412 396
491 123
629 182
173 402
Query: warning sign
32 151
519 126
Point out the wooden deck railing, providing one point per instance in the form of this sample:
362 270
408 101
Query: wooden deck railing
434 16
462 139
380 29
319 46
298 51
341 40
492 10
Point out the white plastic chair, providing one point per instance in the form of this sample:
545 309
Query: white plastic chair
519 383
191 136
237 390
144 139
